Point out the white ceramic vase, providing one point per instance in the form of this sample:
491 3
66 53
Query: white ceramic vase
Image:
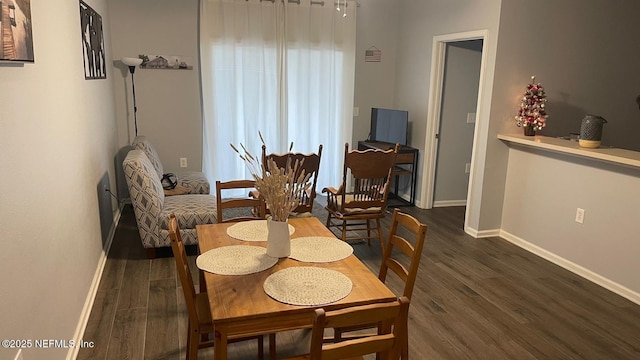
278 239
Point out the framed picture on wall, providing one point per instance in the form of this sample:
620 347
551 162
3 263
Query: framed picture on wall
16 40
95 66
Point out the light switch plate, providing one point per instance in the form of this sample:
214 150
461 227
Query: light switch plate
356 111
471 118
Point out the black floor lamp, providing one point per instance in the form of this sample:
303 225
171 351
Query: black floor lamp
132 63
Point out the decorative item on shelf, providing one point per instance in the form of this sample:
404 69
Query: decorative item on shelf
591 131
166 62
532 115
529 130
281 191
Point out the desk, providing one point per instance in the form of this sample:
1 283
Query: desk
239 305
406 163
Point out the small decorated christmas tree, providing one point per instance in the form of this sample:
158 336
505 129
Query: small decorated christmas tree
532 113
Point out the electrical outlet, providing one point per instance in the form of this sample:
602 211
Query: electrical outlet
183 162
356 111
471 118
467 168
579 215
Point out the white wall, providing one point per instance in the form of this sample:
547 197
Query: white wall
543 191
168 100
58 135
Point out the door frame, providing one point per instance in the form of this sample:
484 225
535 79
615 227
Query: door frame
435 108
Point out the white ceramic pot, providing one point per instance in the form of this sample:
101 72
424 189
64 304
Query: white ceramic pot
278 239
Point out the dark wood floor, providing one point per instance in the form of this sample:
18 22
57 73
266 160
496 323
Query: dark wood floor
474 299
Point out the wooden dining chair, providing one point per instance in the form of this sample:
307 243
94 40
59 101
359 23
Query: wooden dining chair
256 208
309 163
390 317
413 252
200 320
405 268
369 172
418 232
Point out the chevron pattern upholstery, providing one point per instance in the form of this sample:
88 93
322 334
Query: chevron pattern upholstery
195 181
152 208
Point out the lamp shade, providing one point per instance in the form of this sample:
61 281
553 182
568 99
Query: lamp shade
129 61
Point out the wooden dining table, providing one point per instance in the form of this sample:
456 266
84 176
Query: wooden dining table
240 306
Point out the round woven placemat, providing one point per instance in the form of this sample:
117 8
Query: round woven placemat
255 230
307 286
235 260
319 249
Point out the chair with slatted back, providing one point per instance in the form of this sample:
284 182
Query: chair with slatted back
255 207
402 225
370 175
418 231
200 321
391 318
410 226
309 163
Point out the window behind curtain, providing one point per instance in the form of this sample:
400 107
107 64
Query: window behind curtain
283 69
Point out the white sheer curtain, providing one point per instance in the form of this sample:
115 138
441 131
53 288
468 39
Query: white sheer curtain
284 69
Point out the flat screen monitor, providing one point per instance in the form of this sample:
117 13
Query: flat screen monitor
388 125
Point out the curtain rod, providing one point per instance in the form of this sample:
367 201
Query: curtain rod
321 3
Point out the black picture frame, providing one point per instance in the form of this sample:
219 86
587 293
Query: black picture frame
93 50
16 39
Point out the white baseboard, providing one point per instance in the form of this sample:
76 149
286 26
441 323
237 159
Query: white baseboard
93 289
573 267
446 203
481 234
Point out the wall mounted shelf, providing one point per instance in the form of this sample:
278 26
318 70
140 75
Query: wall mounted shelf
623 157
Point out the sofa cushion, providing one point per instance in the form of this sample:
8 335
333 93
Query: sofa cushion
190 210
195 181
141 143
147 195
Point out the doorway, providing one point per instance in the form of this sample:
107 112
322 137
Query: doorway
457 121
434 115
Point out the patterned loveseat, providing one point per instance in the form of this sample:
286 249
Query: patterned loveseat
152 208
195 182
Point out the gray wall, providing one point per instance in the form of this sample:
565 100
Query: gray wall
58 131
585 63
542 193
376 25
586 56
421 21
168 100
